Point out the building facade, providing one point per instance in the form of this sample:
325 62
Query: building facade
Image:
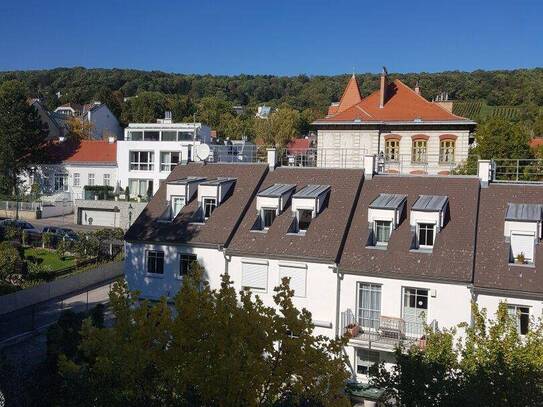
104 123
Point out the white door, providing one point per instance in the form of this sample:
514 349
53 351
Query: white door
99 218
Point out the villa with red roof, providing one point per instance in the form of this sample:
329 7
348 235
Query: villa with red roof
407 132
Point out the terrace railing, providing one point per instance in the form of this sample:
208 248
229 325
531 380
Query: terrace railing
419 164
236 153
513 170
322 157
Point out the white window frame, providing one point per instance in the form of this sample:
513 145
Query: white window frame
61 183
516 308
173 198
263 217
419 151
77 179
204 199
367 360
392 150
139 182
298 213
447 150
136 164
377 242
181 258
156 256
91 179
529 261
107 180
370 288
255 289
168 166
426 246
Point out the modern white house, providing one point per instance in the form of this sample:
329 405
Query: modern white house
104 123
150 151
409 133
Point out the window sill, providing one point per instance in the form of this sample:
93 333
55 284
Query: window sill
296 233
154 275
422 250
526 265
264 231
378 247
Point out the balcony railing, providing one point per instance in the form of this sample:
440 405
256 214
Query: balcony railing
235 153
418 164
511 170
322 157
386 332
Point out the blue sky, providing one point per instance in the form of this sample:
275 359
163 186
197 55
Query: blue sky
272 37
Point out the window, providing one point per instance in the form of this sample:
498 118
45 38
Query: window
91 179
107 180
392 150
169 135
142 160
426 234
446 151
151 135
382 231
61 182
254 276
209 206
297 276
369 305
268 216
185 136
521 316
155 262
522 247
415 309
365 359
177 204
304 219
168 160
418 155
186 262
140 186
135 136
77 179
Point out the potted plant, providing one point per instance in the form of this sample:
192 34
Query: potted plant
521 258
353 330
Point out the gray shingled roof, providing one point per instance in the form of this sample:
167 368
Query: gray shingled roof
388 201
524 212
276 190
430 203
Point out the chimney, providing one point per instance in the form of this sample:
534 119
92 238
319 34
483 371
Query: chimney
383 88
417 88
111 139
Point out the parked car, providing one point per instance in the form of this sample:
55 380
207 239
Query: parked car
61 233
23 225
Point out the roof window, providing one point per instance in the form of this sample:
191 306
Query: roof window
307 203
522 230
178 194
211 194
429 214
385 214
270 203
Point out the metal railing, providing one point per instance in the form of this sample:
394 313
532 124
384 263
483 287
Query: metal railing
322 157
386 331
513 170
420 164
236 153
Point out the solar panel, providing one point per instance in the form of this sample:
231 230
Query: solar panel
276 190
311 191
388 201
524 212
430 203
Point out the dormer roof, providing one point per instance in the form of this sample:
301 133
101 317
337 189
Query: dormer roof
276 190
311 191
430 203
388 201
521 212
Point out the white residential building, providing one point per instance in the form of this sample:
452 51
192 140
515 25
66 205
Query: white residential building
104 123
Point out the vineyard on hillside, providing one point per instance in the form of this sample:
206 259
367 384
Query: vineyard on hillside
478 110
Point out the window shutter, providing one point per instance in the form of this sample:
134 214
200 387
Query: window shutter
254 275
297 278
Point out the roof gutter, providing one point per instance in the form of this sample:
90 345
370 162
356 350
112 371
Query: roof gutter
392 123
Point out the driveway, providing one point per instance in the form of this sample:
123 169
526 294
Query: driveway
66 221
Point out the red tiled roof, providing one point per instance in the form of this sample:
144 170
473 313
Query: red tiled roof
351 95
402 104
537 142
298 145
85 151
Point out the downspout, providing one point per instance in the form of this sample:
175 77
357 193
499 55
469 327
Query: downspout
335 269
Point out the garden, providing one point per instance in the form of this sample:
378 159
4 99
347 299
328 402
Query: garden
29 261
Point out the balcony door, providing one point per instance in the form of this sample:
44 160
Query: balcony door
415 311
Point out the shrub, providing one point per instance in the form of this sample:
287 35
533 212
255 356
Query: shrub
47 240
12 233
10 260
88 244
63 247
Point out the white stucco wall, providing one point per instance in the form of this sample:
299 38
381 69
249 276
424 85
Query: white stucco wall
491 303
105 124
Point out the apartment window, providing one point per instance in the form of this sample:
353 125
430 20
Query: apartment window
142 160
177 204
392 150
140 186
168 160
135 136
107 180
61 182
185 136
151 135
415 309
365 359
77 179
522 247
521 316
418 154
304 219
209 206
169 135
155 262
91 179
268 216
446 151
186 263
254 276
382 231
426 233
369 305
297 278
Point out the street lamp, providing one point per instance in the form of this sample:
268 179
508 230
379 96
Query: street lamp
130 209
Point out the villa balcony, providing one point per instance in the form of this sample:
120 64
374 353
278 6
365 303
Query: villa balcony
387 334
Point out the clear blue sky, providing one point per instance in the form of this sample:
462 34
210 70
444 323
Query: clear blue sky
272 37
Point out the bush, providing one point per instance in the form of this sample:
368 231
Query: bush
47 240
63 247
10 260
102 191
12 233
88 245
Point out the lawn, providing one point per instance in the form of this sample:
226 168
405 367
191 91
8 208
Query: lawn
49 259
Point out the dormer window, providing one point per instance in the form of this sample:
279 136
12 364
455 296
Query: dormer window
523 230
211 194
177 204
210 204
307 203
428 216
385 214
270 203
178 194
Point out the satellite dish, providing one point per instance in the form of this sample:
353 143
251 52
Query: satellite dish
202 151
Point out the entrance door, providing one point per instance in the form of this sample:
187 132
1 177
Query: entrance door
415 310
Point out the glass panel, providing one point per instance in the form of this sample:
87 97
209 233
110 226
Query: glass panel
369 305
135 136
185 263
268 217
169 135
185 136
304 218
177 204
382 231
209 207
151 135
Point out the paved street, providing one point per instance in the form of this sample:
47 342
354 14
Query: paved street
64 221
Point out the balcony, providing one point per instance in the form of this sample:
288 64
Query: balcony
416 164
387 334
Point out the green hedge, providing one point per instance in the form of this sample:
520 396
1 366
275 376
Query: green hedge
103 191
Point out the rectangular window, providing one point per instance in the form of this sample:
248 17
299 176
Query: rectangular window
369 305
135 136
268 216
522 247
426 234
91 179
177 204
140 186
297 277
304 219
107 180
382 231
77 179
169 135
209 206
365 359
185 136
418 154
186 263
155 262
254 276
521 316
151 136
168 160
142 160
392 150
446 151
61 182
